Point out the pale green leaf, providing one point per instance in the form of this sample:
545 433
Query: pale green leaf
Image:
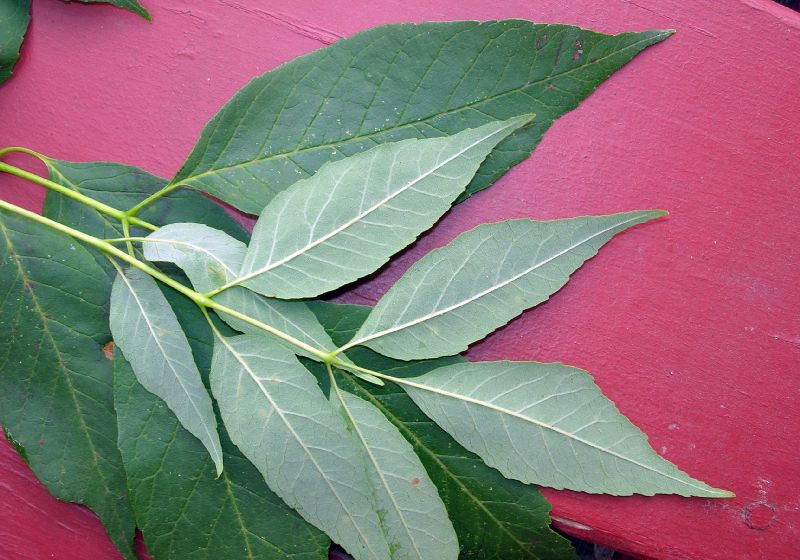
148 333
395 82
277 416
495 518
412 513
210 258
183 511
485 277
348 219
14 18
548 424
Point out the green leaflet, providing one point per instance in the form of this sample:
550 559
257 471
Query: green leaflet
485 277
412 513
124 186
181 508
14 18
400 81
152 340
130 5
353 214
301 447
210 258
495 518
548 424
55 387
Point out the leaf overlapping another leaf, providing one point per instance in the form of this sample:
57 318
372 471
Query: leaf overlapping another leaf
495 518
149 335
352 215
412 514
55 387
277 416
183 510
395 82
211 258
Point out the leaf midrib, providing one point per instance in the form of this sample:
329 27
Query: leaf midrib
486 291
294 434
432 116
375 207
546 426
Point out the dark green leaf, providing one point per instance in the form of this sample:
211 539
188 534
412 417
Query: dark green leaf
494 518
122 187
56 385
130 5
395 82
348 219
14 18
181 508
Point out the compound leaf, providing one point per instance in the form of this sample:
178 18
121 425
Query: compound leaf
459 293
148 333
348 219
302 447
548 424
55 387
412 513
495 518
181 508
211 258
395 82
14 18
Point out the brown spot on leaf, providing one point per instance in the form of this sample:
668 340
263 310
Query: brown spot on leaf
108 351
415 481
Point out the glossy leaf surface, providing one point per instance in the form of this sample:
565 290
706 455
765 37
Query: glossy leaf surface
348 219
401 81
548 424
485 277
130 5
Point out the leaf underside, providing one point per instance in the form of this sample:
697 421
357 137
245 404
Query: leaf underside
495 518
412 514
14 19
183 510
456 295
352 215
395 82
548 424
152 340
302 448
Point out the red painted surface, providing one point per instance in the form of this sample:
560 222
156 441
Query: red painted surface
690 324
